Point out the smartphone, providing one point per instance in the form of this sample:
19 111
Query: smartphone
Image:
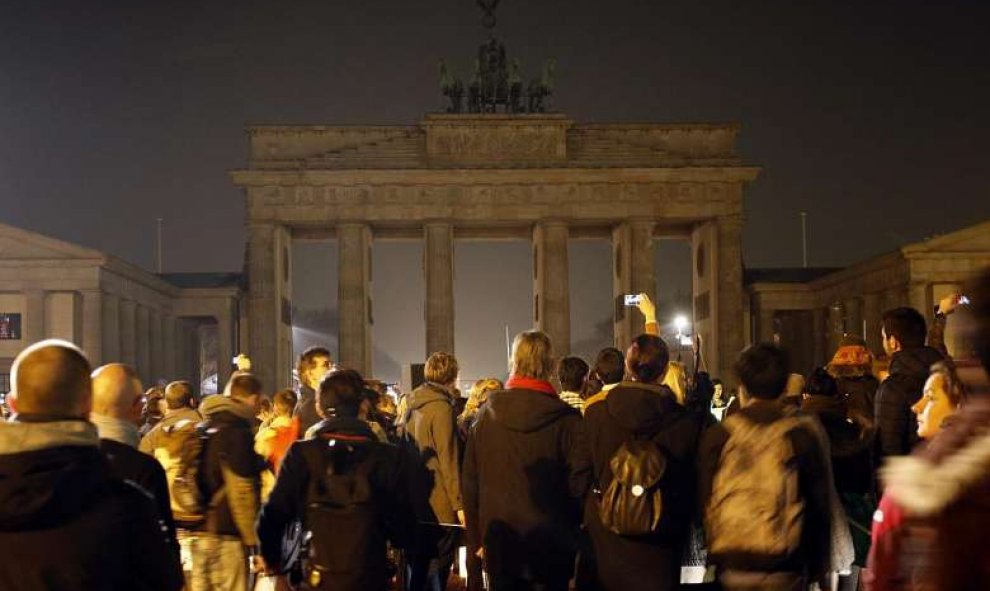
963 300
633 299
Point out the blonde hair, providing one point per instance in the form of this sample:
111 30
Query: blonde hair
532 355
478 394
676 380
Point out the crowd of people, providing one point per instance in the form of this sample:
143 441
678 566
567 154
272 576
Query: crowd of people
625 473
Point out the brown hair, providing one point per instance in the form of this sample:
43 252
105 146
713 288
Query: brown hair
179 394
647 358
479 394
244 386
441 368
284 401
532 355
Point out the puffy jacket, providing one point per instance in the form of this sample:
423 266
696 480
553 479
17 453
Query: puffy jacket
897 429
67 524
525 475
230 472
430 433
648 412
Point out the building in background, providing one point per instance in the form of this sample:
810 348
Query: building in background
163 325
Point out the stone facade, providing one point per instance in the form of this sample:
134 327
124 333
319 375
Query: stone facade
114 310
852 300
537 176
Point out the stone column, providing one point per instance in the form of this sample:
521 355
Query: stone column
142 332
128 332
263 302
34 321
764 326
155 337
836 326
872 317
551 289
438 268
854 316
111 328
728 314
169 349
818 336
633 272
92 326
920 298
354 297
225 348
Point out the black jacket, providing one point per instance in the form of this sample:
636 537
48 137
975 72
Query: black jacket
897 428
860 393
127 463
814 481
646 412
849 442
67 524
430 429
525 475
352 549
306 409
230 473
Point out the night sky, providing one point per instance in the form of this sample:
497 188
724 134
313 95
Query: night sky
870 115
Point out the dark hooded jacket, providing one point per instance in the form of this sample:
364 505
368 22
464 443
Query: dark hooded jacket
651 413
230 472
897 429
306 409
429 433
861 395
849 442
350 547
67 524
525 475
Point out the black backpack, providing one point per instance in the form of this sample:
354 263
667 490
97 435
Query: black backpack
632 503
342 505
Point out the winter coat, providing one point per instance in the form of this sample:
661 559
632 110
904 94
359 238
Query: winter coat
525 475
229 475
814 485
897 429
849 443
646 412
429 431
356 548
306 409
66 523
943 495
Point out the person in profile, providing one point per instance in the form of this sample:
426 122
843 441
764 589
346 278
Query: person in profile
66 523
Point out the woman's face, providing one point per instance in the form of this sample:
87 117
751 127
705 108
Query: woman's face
933 407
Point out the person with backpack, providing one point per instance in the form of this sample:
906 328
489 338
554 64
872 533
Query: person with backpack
642 445
347 490
175 442
525 475
764 485
229 481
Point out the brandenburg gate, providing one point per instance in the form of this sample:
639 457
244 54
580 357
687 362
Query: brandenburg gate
538 176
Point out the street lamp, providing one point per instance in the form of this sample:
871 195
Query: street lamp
681 324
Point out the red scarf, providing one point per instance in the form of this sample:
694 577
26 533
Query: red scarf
525 383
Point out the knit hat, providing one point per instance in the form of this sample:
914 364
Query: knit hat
852 351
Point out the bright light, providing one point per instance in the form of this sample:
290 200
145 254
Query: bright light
681 323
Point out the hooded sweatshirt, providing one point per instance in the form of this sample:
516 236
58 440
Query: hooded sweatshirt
231 470
897 431
650 412
429 426
525 474
60 509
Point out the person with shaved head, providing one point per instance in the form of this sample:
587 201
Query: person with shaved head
117 403
66 522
